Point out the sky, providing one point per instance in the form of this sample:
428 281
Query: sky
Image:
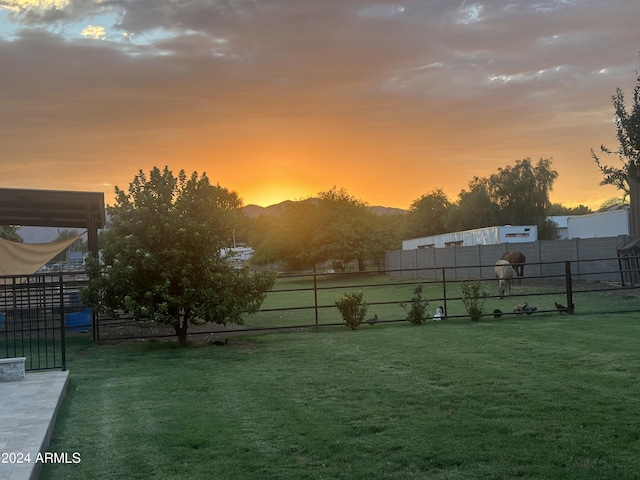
282 99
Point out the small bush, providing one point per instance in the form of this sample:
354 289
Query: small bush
353 309
417 313
473 297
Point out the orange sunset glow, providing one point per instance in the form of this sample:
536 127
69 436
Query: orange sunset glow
280 100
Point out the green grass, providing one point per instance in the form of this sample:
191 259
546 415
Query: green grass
541 397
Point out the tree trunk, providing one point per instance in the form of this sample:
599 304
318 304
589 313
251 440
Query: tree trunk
634 201
181 332
181 329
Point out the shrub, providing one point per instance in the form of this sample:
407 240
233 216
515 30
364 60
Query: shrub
417 314
473 297
353 309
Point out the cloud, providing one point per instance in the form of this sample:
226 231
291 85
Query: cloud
94 31
21 6
467 14
36 12
312 90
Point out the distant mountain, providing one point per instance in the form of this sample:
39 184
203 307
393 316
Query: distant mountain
388 210
253 211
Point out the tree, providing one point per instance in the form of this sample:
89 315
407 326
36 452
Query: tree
161 260
474 208
548 230
521 192
612 202
427 214
627 177
387 233
288 237
331 227
559 209
9 233
346 229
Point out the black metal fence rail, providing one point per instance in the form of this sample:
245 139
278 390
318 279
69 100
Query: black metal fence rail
32 320
308 300
37 312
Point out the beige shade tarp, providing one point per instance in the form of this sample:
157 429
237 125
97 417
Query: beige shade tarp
27 258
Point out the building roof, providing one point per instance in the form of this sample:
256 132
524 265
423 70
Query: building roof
51 208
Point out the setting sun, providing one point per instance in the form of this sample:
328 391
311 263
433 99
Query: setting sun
273 194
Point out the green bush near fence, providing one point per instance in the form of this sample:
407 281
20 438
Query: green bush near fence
417 308
353 309
474 296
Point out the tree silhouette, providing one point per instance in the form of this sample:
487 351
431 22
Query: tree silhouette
428 214
626 177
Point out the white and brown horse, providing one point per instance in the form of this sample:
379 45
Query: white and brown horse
517 260
504 274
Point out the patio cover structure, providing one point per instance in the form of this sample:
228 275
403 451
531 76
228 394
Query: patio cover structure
54 208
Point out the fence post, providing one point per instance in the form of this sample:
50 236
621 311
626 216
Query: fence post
315 297
444 292
569 284
63 327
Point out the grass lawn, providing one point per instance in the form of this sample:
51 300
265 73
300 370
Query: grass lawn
544 397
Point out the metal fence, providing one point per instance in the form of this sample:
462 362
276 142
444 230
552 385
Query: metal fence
33 312
38 312
308 300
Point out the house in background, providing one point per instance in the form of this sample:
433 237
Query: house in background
597 225
477 236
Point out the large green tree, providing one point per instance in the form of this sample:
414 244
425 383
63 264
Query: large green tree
474 208
161 257
332 227
347 228
428 214
517 194
288 237
521 191
627 176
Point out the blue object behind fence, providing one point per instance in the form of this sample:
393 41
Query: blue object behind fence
1 319
79 321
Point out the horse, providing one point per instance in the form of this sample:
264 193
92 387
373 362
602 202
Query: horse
517 260
504 273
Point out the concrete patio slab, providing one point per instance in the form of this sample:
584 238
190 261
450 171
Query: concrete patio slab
28 410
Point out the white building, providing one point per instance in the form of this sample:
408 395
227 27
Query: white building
477 236
597 225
